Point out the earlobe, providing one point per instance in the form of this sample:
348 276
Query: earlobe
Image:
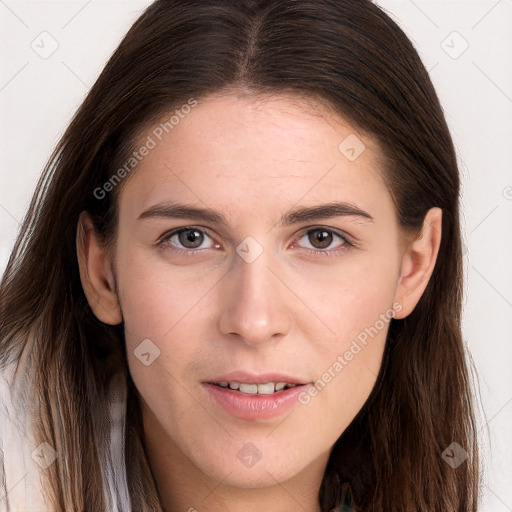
418 263
96 273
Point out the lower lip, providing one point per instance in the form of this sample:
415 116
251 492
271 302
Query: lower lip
254 407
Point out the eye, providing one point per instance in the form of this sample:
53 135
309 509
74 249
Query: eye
320 238
190 240
186 239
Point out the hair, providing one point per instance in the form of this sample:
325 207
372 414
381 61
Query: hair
352 58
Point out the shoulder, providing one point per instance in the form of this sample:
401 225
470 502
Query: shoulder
21 487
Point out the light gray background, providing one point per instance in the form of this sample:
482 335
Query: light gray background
39 95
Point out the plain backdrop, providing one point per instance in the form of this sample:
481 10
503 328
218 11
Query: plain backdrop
467 48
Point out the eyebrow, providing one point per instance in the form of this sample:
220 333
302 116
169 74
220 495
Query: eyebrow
293 216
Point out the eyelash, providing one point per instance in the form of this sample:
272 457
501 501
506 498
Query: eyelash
164 241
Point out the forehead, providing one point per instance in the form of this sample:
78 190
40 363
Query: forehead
246 151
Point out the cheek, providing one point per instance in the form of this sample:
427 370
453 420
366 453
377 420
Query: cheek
356 303
350 296
164 311
156 297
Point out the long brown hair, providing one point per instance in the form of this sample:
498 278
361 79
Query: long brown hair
350 56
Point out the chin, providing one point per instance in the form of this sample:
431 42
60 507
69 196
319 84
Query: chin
252 478
248 467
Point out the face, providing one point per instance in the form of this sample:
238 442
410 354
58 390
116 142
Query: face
266 290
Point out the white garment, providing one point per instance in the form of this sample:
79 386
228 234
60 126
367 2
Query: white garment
24 460
20 474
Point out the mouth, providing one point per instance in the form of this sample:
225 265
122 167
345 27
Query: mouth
268 388
255 397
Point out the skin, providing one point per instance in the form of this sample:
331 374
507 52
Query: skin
292 310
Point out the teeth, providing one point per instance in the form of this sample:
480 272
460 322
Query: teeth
265 389
250 389
257 389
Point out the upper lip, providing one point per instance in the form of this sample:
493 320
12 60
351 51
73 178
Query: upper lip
256 378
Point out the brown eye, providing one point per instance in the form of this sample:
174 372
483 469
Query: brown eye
320 238
190 238
325 241
187 240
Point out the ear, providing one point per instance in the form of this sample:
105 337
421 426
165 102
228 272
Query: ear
96 274
418 263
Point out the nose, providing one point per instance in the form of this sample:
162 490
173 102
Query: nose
256 306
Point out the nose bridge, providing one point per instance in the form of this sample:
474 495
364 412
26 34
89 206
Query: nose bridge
254 306
252 272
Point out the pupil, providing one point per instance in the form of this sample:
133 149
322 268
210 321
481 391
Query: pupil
323 237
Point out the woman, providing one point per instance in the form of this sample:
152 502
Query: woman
238 286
